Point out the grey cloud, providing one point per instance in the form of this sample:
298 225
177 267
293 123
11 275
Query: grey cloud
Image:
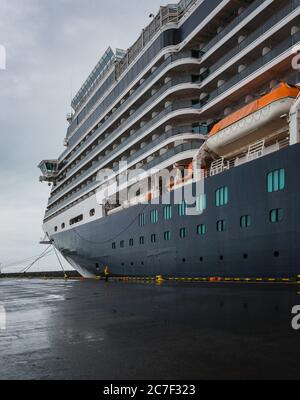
51 47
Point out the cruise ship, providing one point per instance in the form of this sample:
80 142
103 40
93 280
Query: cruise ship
209 94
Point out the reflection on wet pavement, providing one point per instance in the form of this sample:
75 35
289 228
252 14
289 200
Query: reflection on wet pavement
93 330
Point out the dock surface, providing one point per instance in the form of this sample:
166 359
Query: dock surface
58 329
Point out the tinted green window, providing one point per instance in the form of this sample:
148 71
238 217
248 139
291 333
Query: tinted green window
221 225
245 221
167 236
168 213
222 196
201 229
276 215
182 233
142 240
154 216
153 238
182 209
201 203
142 219
281 179
276 180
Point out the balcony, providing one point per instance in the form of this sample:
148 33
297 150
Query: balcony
281 48
100 109
92 186
103 162
126 125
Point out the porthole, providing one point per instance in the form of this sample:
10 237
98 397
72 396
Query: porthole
201 259
221 258
183 260
245 256
276 254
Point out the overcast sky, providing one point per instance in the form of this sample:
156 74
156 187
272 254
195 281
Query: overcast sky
52 46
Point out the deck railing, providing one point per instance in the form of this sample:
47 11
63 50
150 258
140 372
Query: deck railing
168 14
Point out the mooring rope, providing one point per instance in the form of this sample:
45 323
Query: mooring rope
61 265
44 254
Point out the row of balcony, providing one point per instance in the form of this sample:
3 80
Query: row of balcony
92 186
281 48
125 125
226 30
218 64
133 95
289 42
120 109
102 161
256 34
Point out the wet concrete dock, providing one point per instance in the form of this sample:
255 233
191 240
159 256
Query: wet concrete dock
91 330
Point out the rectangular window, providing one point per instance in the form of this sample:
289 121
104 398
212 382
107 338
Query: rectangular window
153 238
122 244
276 215
131 242
168 213
201 203
276 180
201 229
182 233
221 225
222 196
142 240
76 220
182 209
154 216
167 236
142 219
245 221
113 246
200 128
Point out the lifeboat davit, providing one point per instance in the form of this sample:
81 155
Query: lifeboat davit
258 120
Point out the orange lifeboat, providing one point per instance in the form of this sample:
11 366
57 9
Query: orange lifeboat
256 121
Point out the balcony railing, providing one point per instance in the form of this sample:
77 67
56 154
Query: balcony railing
98 110
281 48
163 89
256 34
93 185
178 105
233 24
168 14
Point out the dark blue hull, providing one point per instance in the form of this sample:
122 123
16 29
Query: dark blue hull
264 249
